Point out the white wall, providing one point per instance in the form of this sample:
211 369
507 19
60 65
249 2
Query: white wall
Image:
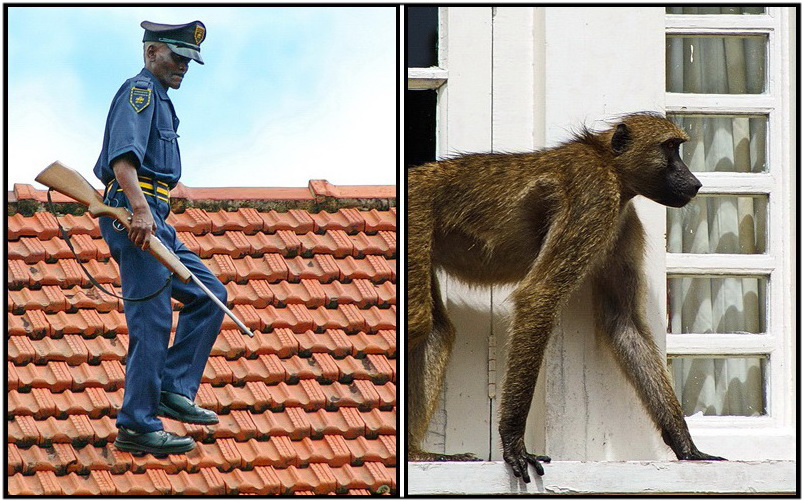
593 412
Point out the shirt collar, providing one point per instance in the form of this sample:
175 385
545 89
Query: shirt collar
160 89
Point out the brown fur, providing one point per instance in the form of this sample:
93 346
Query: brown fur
545 221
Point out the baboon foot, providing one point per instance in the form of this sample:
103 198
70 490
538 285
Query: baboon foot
699 455
426 456
518 458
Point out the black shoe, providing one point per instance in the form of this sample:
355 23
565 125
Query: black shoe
180 408
156 442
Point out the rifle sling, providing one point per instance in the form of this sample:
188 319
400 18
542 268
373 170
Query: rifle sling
92 279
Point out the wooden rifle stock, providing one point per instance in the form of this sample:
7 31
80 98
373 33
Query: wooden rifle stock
70 183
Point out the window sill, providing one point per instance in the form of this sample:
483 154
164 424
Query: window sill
633 477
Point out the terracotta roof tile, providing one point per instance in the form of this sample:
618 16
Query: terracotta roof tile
13 377
15 461
345 219
193 220
41 225
295 220
306 406
81 224
22 430
20 349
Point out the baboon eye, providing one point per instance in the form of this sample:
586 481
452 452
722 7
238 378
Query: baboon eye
672 144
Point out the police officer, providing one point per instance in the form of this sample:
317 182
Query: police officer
139 164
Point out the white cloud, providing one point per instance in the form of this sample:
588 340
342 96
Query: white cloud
47 123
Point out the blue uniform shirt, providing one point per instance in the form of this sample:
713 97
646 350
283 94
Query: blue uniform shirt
142 121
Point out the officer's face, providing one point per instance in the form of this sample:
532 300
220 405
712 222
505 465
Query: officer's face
167 66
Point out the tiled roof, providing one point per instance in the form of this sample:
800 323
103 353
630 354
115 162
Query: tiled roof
306 406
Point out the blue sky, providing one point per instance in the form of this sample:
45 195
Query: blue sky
287 94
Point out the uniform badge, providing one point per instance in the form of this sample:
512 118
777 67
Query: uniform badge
139 98
199 34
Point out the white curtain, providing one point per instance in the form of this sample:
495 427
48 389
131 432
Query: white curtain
719 224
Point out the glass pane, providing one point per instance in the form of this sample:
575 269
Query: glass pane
719 224
716 65
732 386
715 10
725 143
698 304
422 24
420 127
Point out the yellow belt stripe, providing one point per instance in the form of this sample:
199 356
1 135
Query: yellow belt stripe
143 184
151 180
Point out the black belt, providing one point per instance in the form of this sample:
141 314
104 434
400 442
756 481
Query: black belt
150 186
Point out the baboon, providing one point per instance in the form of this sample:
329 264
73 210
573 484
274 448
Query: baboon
545 220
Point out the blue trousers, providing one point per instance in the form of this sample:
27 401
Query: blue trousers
151 365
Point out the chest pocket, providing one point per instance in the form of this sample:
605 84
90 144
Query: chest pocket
169 143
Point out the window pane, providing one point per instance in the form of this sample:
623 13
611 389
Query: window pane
719 224
420 127
732 386
715 10
699 304
725 143
716 65
422 32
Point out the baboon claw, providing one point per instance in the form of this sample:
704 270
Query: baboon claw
519 464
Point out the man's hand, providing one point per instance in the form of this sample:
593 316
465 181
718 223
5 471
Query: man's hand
142 227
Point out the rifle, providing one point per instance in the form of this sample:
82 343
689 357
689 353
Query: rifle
70 183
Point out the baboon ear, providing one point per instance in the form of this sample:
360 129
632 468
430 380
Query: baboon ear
620 140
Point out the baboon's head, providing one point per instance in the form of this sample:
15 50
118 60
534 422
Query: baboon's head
645 147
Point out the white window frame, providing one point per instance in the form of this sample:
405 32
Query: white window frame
771 435
463 81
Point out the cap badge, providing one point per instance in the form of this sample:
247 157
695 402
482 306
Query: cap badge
199 34
139 98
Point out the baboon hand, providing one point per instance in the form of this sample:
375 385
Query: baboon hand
515 454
